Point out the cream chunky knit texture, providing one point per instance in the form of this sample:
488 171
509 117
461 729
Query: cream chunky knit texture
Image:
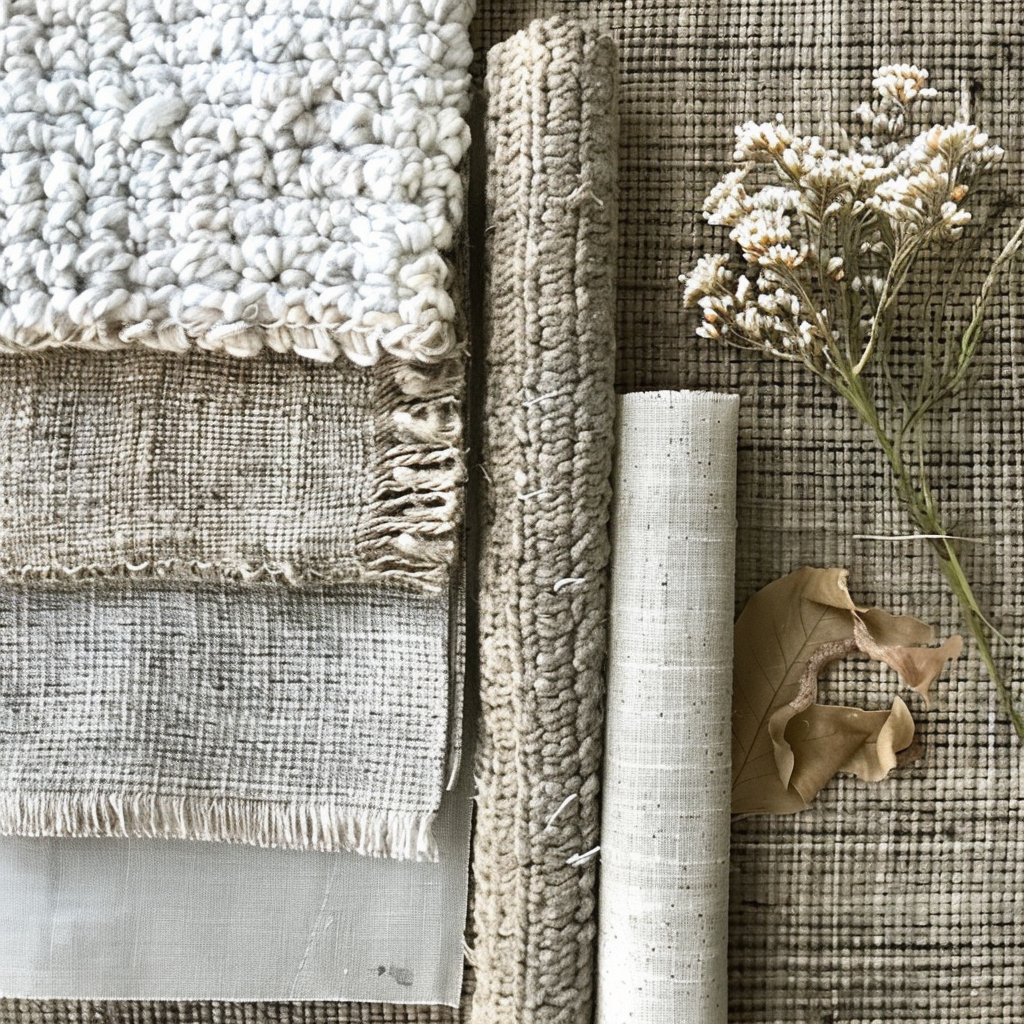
279 173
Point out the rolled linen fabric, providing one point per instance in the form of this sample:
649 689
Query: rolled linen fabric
664 882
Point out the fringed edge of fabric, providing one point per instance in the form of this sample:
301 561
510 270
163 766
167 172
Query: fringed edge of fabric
413 524
399 835
173 568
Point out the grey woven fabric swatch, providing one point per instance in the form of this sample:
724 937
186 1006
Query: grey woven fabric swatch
547 458
166 919
207 466
311 719
902 901
663 887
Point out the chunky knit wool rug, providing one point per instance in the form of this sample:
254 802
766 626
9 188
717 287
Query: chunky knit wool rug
271 175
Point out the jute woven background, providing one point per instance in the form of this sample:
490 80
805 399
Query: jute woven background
903 901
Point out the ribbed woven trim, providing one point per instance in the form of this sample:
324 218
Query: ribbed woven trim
61 1011
549 413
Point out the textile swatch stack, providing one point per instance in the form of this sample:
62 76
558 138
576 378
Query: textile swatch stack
231 482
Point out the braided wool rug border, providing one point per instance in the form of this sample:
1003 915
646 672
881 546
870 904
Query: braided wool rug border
548 437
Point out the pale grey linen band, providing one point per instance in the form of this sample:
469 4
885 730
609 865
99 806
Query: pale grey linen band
663 888
167 920
306 718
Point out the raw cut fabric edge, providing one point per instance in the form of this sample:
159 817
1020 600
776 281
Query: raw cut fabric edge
405 835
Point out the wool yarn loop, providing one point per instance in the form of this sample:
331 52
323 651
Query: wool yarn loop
192 173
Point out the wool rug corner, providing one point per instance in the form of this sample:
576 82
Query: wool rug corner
281 175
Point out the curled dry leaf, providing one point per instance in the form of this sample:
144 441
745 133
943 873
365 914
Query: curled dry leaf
785 746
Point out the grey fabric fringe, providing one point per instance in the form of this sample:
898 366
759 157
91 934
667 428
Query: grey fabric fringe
899 902
547 451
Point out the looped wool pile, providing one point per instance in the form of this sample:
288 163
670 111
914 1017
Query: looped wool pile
279 174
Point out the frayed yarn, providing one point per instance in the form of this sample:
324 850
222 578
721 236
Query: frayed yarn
287 825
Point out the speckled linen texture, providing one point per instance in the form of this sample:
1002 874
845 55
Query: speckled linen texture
200 465
900 902
304 719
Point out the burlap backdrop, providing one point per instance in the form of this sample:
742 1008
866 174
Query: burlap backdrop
903 901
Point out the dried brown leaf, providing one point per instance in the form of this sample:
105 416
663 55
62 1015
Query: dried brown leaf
785 746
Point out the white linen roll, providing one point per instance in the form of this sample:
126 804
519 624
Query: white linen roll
663 889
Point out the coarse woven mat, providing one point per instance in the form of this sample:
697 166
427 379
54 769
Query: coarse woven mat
547 448
274 174
900 902
306 719
663 881
201 465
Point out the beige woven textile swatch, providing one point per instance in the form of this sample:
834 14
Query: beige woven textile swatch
205 466
663 890
548 438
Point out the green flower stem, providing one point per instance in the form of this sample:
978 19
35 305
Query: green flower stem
918 502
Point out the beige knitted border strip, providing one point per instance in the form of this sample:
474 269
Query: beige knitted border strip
549 410
61 1011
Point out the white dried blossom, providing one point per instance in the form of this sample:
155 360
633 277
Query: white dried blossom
761 142
776 197
710 276
728 201
803 154
783 256
778 302
760 229
806 336
953 220
718 311
903 83
956 145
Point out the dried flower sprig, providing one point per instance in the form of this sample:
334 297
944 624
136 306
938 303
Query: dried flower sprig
826 251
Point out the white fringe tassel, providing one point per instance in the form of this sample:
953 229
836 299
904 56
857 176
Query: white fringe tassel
405 835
